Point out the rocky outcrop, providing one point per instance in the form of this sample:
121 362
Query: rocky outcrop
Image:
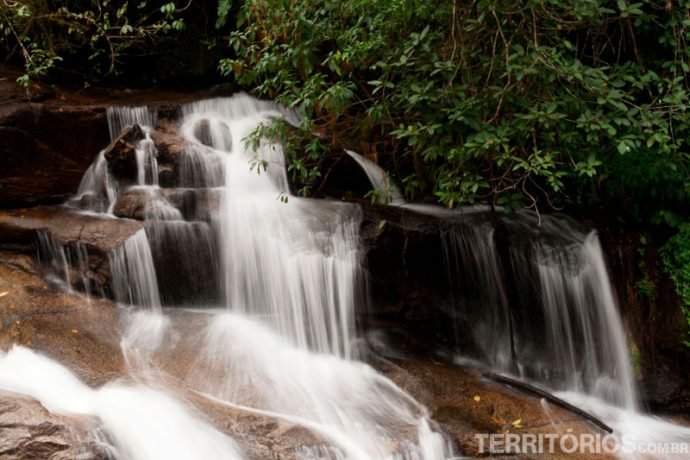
653 316
66 227
29 431
121 155
45 150
169 144
193 204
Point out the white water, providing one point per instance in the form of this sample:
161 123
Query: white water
64 263
134 279
583 347
142 422
291 275
388 193
295 264
292 278
348 399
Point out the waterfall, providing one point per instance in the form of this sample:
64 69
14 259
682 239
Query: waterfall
288 272
293 263
581 346
546 310
66 264
121 117
133 274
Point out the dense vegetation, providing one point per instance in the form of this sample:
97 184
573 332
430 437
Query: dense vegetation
544 104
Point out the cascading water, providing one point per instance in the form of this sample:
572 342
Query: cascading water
582 345
64 263
134 279
143 423
290 276
541 307
292 280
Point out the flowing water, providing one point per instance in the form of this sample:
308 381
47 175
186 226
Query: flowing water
283 278
289 278
542 308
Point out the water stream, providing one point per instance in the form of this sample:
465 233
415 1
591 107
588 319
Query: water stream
283 280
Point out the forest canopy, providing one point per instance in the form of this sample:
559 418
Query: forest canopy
544 104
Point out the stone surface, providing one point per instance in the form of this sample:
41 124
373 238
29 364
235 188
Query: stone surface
29 431
98 235
169 143
121 155
654 319
45 150
194 204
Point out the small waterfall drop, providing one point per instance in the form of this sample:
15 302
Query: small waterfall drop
133 274
66 264
120 117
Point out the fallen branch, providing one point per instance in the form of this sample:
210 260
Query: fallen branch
526 387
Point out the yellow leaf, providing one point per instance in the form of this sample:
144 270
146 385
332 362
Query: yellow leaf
3 294
74 330
517 423
498 420
477 398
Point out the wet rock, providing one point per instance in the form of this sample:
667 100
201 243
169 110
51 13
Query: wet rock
41 160
122 159
194 204
97 235
464 404
121 155
653 317
169 143
29 431
202 132
82 334
408 281
18 227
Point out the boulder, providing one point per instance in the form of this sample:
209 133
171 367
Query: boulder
29 431
169 143
121 155
193 204
122 159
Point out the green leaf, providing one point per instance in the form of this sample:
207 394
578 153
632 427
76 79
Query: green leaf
222 12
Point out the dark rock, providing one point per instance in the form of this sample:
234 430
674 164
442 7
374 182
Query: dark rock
121 155
169 143
407 278
194 204
654 319
202 132
41 160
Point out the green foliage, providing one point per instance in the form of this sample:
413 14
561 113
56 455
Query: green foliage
676 258
45 33
645 286
519 103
